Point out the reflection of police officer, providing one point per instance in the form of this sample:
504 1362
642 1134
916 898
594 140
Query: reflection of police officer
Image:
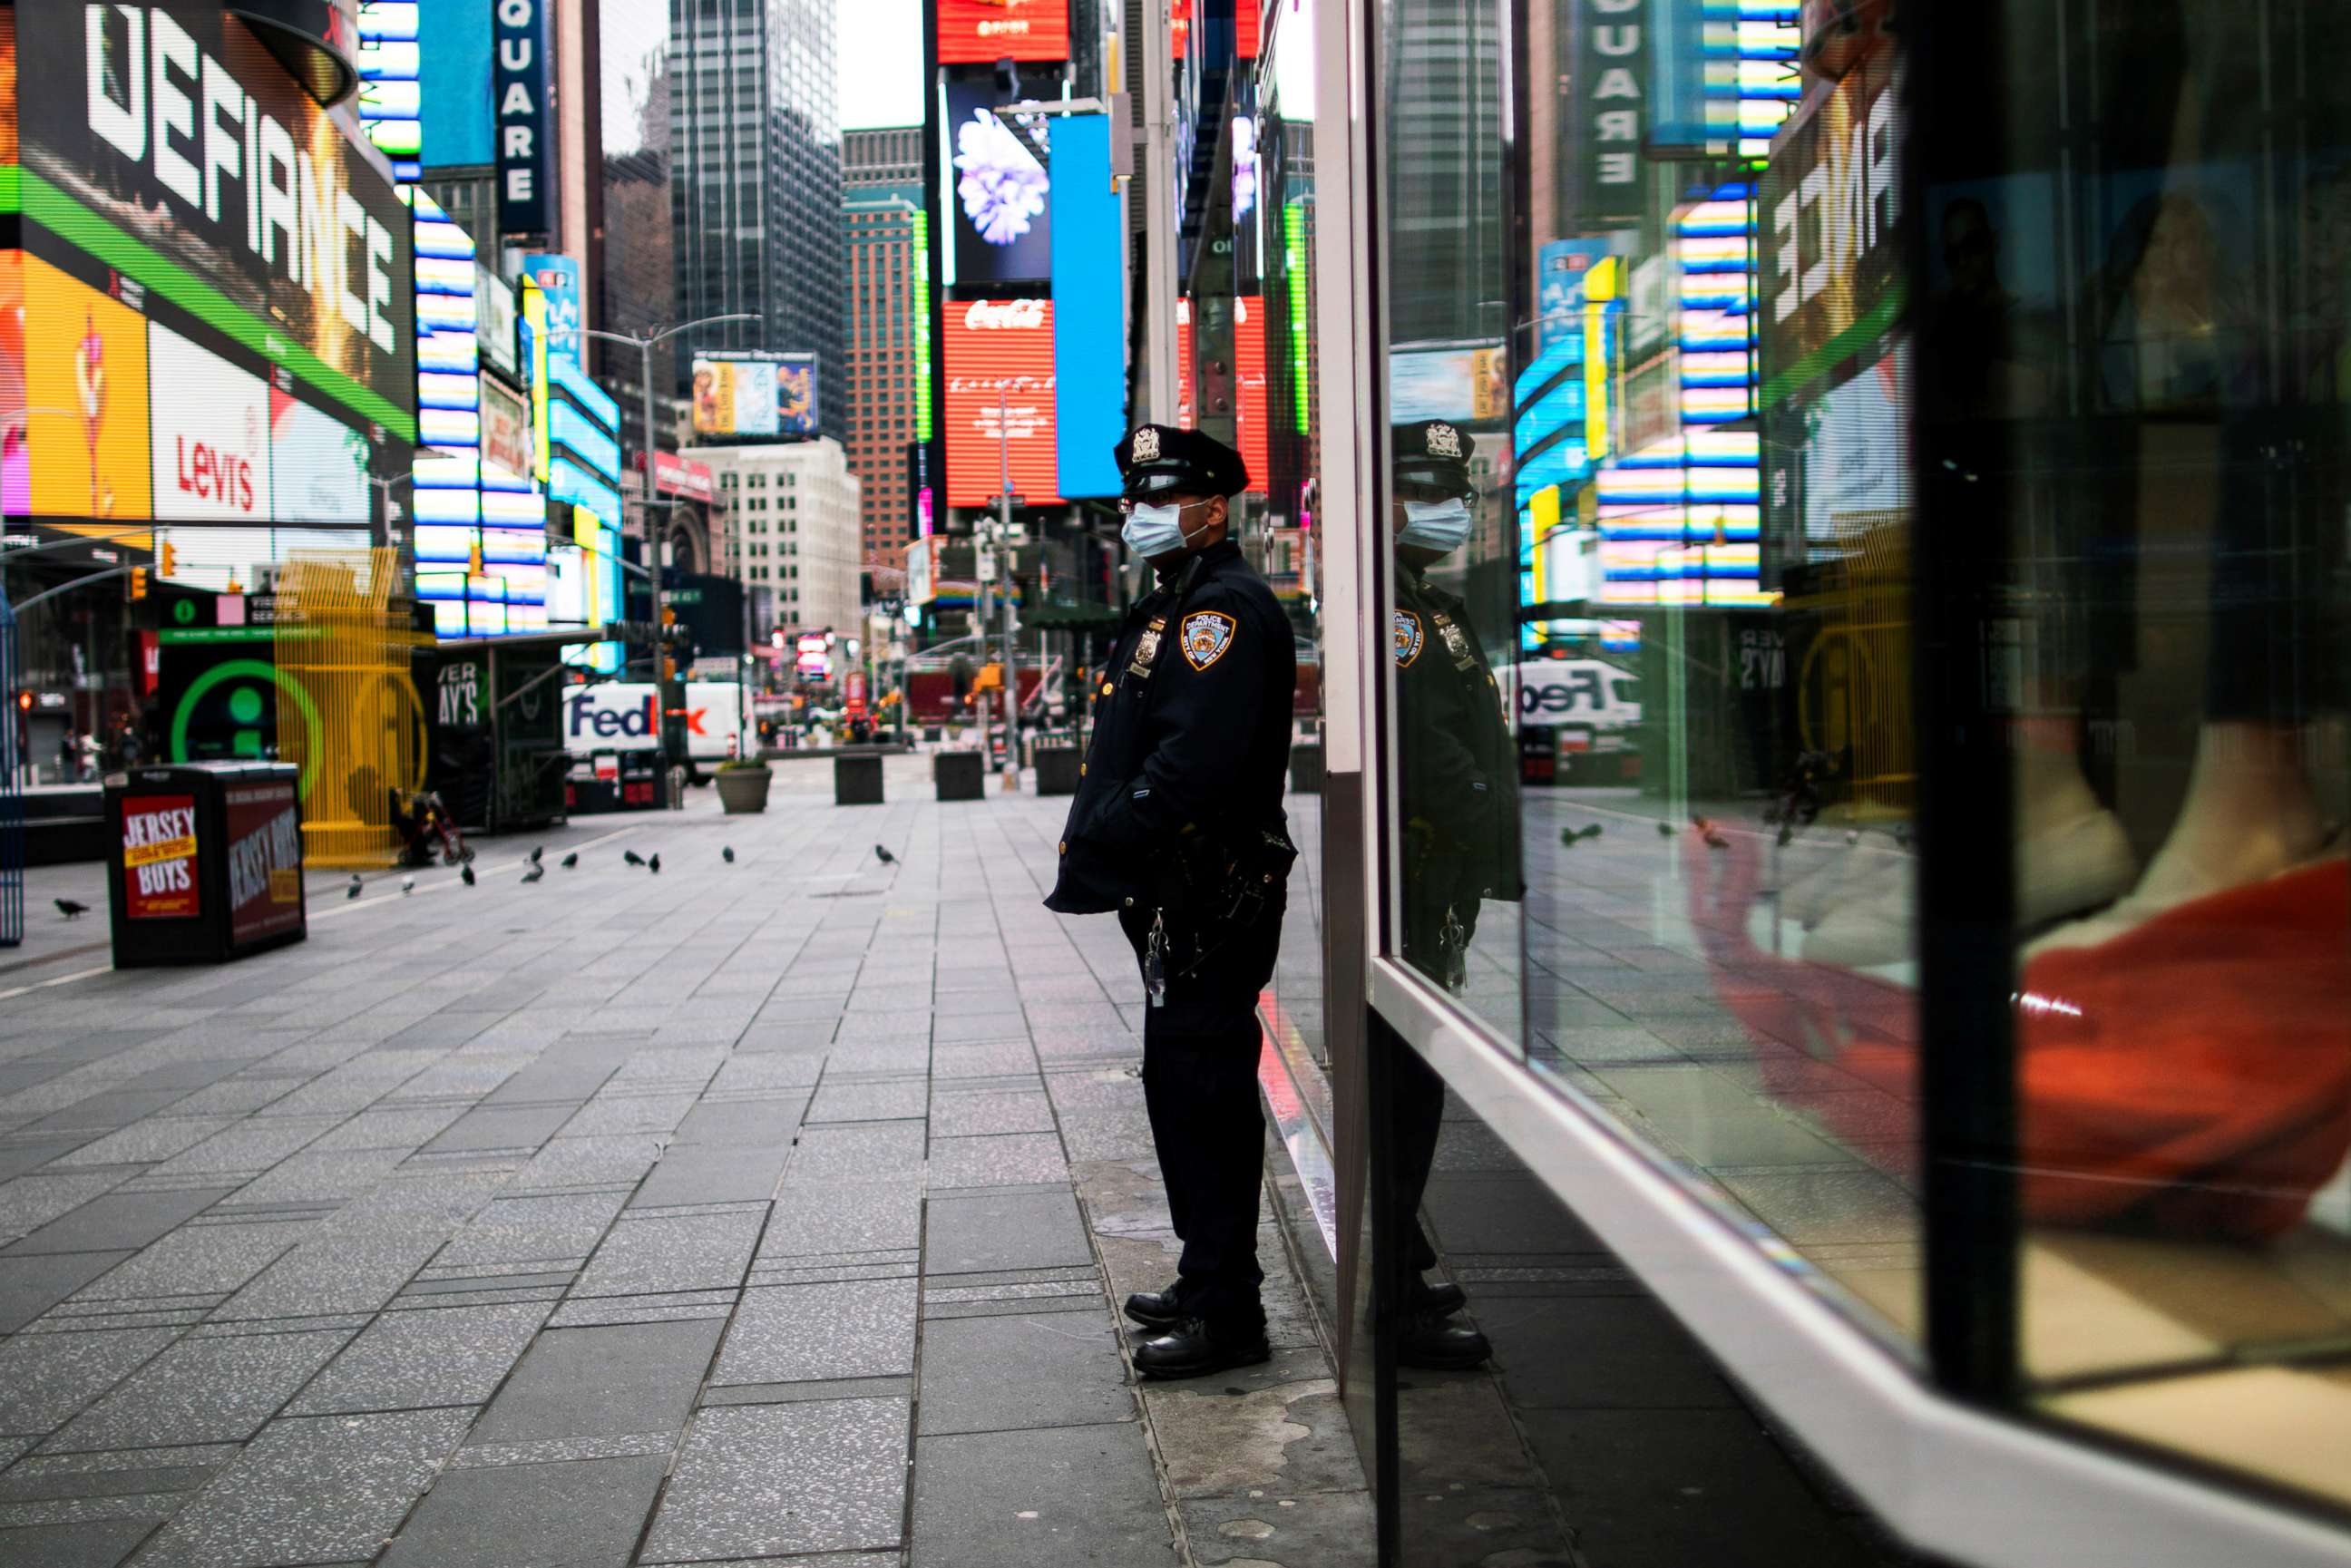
1178 826
1459 810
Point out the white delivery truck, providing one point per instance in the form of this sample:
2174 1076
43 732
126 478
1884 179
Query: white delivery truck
1589 711
619 716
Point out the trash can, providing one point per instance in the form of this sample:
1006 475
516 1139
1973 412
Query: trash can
857 781
1306 769
204 862
1057 769
959 775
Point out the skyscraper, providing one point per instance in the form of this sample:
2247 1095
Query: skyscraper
755 165
882 217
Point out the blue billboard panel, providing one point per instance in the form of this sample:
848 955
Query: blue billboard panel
453 42
1088 317
558 278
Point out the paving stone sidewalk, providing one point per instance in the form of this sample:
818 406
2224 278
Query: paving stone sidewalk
743 1212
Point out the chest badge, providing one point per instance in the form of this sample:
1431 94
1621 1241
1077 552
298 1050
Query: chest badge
1206 635
1409 639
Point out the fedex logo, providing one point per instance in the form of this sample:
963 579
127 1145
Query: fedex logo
613 717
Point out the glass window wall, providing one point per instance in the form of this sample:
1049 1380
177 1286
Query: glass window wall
1862 516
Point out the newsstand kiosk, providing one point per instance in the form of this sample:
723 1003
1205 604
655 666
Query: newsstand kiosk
204 861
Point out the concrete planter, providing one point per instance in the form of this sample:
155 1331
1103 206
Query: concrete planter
744 791
857 780
959 775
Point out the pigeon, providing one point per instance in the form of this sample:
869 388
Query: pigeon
571 860
467 874
883 855
69 908
1664 830
352 889
728 855
633 857
1571 837
408 884
536 851
534 872
653 865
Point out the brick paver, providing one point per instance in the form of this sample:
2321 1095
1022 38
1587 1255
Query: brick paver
744 1211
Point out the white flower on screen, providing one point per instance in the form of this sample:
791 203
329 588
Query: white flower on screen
1002 186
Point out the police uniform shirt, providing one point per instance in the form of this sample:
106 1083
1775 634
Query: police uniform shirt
1202 743
1456 755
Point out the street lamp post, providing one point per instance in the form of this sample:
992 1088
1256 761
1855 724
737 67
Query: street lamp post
644 343
1004 589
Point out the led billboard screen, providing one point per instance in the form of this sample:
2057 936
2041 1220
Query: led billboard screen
260 218
1090 394
211 424
997 188
318 465
734 397
774 395
85 375
983 31
796 408
991 342
506 429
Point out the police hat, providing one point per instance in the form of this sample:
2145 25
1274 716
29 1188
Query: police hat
1161 460
1433 451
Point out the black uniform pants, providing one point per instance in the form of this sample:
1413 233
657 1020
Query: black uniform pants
1200 1086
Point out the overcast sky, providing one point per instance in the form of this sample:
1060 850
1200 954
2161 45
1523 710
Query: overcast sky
878 45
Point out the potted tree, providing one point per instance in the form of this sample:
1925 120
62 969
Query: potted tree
743 784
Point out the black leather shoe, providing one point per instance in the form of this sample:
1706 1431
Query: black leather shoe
1154 1309
1440 1347
1436 1301
1196 1347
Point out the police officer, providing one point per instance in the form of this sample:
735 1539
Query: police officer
1179 828
1459 810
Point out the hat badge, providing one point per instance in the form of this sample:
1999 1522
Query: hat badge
1147 447
1443 441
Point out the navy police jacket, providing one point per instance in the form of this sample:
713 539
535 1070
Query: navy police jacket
1457 762
1200 744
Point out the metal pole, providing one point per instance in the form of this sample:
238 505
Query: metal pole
652 546
1004 591
1159 381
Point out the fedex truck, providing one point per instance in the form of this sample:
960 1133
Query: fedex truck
1579 719
624 715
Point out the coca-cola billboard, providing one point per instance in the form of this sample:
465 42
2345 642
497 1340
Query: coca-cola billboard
1007 344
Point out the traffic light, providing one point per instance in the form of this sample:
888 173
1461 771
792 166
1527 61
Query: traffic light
989 679
23 702
167 559
138 582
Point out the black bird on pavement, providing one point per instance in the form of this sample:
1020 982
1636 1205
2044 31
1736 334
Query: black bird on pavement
69 908
467 874
534 872
352 889
728 855
633 857
571 860
1571 837
536 851
653 865
881 853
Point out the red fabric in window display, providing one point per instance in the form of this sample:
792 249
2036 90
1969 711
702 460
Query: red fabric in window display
2191 1077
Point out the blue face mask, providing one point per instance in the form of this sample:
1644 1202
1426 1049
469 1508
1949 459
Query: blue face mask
1440 525
1154 531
